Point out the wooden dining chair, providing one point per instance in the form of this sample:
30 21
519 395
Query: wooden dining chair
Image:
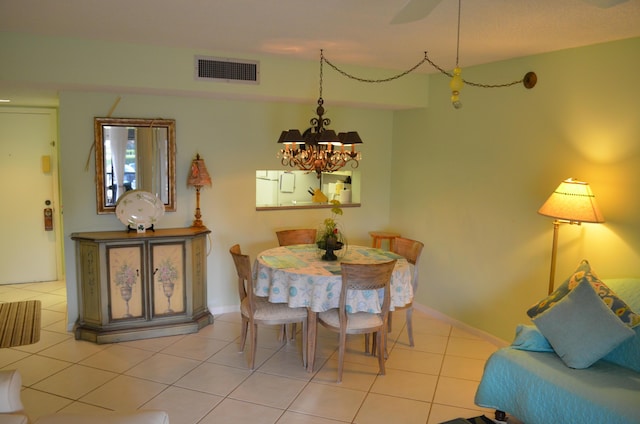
288 238
258 310
361 277
411 250
298 236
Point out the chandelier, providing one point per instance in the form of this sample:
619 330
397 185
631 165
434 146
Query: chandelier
319 148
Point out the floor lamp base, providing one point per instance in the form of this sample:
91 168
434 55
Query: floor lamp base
554 251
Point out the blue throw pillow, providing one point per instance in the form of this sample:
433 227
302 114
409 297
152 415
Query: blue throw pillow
583 270
581 327
528 337
628 353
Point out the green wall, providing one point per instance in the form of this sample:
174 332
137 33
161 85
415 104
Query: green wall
235 138
469 182
466 182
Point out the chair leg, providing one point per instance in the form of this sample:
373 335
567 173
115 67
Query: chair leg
293 332
305 336
243 334
254 344
341 350
410 325
374 344
366 343
389 322
382 350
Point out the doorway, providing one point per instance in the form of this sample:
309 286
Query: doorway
30 245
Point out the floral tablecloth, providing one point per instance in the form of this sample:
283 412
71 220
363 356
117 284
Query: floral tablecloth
297 276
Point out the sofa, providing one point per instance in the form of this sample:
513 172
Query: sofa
11 409
576 363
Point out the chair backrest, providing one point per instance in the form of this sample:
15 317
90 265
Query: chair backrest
245 276
411 250
299 236
366 277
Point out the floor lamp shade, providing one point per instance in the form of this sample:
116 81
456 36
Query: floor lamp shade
572 202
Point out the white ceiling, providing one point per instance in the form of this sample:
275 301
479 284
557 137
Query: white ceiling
350 31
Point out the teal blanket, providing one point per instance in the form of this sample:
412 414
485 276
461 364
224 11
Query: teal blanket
538 388
529 380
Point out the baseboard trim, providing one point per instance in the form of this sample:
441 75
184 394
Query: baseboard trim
461 325
224 309
422 308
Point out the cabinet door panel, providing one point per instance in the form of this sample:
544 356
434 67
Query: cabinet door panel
167 262
126 294
90 283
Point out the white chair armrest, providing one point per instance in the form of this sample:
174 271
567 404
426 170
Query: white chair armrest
13 419
133 417
10 386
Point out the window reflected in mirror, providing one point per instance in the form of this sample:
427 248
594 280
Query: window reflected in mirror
134 154
277 189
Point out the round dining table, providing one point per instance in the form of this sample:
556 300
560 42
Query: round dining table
296 275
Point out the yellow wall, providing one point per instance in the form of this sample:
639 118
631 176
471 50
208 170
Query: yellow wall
469 182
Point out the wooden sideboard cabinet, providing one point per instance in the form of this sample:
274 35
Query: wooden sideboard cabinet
140 285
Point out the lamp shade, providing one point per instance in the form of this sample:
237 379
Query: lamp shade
572 201
198 176
291 136
349 138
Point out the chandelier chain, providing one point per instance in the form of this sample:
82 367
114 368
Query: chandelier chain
321 60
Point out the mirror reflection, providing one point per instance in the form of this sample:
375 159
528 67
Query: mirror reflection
134 154
277 189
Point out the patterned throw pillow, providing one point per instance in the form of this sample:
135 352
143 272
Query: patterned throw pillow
581 328
584 271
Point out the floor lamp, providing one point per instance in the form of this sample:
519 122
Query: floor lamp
571 203
198 178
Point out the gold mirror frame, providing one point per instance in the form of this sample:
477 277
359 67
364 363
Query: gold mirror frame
103 205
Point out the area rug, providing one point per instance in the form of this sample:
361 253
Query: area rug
19 323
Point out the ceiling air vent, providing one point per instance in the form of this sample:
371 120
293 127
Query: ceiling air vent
213 68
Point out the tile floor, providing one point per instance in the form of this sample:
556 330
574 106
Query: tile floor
201 378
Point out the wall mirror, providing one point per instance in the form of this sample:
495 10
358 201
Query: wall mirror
277 189
133 153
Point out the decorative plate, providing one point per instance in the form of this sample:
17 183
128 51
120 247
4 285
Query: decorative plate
138 207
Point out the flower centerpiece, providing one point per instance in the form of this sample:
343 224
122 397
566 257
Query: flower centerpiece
330 238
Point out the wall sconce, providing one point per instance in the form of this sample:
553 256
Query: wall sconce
198 178
573 203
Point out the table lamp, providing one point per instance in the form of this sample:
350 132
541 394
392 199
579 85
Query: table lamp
573 203
198 178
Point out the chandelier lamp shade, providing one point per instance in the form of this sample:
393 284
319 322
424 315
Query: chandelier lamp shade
572 202
319 148
198 178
